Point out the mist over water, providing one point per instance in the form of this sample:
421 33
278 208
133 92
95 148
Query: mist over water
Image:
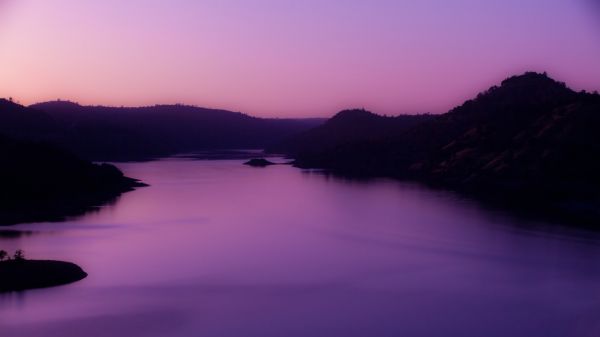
215 248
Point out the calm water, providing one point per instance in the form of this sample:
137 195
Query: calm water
214 248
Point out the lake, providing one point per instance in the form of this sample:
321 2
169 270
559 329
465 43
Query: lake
216 248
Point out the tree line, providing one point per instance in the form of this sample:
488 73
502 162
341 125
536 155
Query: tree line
19 255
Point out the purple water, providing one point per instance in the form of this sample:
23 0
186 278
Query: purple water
215 248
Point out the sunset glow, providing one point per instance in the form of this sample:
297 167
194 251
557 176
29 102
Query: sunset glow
290 58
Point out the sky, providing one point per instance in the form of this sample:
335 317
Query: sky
290 58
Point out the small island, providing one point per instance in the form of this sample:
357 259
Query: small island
18 274
259 162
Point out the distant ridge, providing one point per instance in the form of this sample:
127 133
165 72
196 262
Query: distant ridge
346 127
139 133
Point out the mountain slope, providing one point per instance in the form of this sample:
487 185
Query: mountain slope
530 137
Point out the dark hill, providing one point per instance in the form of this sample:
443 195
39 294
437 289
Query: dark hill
115 134
531 138
345 128
42 183
20 122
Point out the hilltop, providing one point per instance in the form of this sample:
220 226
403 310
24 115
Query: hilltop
345 128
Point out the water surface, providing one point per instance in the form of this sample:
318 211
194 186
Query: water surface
215 248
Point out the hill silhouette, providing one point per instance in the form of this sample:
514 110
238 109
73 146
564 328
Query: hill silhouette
42 183
120 133
531 138
20 122
346 127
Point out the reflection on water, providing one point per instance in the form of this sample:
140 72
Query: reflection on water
216 248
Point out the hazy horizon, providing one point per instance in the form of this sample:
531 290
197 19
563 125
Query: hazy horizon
283 59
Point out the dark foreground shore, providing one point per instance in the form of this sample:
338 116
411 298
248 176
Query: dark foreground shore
32 274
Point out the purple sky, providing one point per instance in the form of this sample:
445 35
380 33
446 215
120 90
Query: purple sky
290 57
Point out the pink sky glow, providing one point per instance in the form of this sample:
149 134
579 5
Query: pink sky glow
290 58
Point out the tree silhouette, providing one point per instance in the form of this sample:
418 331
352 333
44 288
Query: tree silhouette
19 255
3 255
